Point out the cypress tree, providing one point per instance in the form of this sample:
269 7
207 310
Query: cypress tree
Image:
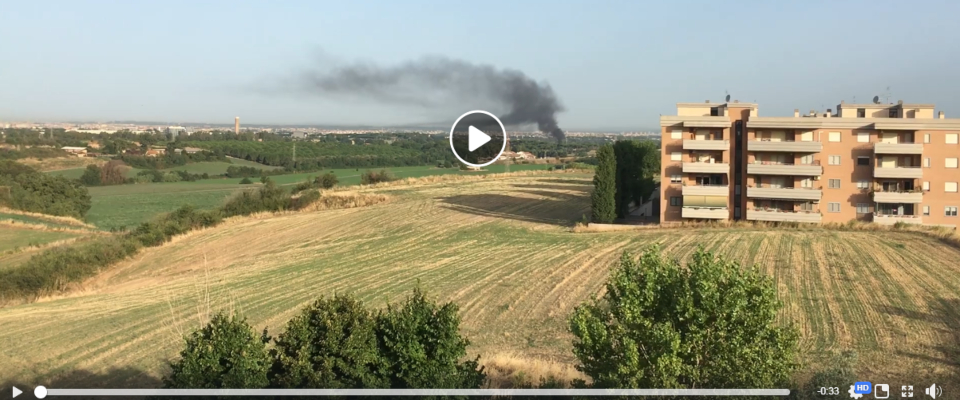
605 186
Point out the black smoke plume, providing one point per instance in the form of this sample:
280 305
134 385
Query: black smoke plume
442 82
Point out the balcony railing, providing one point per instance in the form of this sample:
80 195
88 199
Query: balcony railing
898 196
784 145
705 212
890 219
898 172
706 190
898 148
784 193
715 167
784 168
776 215
706 144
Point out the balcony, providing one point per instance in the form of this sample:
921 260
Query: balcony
705 213
706 168
898 172
893 219
772 168
784 193
783 216
694 144
906 197
706 190
787 146
898 148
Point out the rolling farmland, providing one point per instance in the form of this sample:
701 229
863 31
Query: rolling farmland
503 250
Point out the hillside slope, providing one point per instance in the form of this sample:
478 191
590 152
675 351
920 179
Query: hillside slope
501 248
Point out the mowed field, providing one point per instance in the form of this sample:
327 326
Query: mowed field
128 205
503 249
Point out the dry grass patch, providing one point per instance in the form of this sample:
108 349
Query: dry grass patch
47 217
514 370
55 164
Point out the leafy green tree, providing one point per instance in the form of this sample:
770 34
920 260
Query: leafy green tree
421 346
660 324
91 175
245 181
331 344
29 190
604 194
638 162
225 353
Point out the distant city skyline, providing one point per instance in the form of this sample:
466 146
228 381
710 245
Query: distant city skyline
615 66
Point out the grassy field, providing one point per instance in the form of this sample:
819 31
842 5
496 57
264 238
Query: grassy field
128 205
504 251
76 173
218 167
13 238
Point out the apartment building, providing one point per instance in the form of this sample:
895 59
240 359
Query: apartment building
884 163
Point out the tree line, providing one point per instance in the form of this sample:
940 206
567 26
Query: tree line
625 174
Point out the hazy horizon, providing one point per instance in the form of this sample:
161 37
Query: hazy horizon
614 66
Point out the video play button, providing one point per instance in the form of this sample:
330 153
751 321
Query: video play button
16 392
478 138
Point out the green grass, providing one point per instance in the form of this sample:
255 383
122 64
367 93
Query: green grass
34 220
218 167
12 238
128 205
76 173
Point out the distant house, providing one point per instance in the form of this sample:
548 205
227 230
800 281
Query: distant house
525 155
153 153
77 151
192 150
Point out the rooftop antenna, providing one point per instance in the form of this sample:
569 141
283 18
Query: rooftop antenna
886 95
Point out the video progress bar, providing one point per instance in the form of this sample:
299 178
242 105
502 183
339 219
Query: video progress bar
418 392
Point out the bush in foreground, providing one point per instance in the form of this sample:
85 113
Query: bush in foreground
223 354
661 324
331 344
371 177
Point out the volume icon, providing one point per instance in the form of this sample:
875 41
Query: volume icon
934 391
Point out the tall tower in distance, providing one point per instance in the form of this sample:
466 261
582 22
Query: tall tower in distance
236 125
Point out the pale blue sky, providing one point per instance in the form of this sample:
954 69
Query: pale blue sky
614 64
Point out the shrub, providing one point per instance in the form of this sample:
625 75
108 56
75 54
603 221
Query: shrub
302 186
245 181
371 177
225 353
421 346
91 175
304 200
603 199
29 190
330 344
113 173
268 197
327 180
660 324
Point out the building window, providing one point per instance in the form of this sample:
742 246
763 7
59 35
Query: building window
676 201
863 208
863 137
926 162
676 156
926 210
863 184
676 134
951 138
834 184
861 113
950 187
861 161
806 206
834 160
807 159
950 211
834 137
833 207
675 178
892 113
951 163
926 186
926 138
